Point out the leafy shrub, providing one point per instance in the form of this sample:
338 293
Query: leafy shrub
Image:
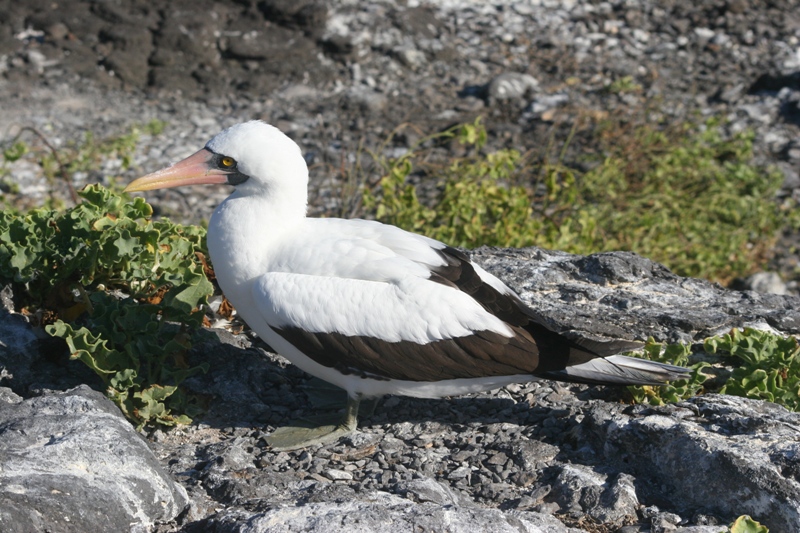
769 365
122 290
689 198
766 367
478 202
685 197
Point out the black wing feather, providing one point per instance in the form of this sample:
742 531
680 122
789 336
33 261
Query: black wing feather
535 349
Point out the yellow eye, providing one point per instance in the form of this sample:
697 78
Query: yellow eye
227 162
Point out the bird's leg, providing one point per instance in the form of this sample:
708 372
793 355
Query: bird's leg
320 429
368 406
350 420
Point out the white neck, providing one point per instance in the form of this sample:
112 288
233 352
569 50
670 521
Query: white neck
247 228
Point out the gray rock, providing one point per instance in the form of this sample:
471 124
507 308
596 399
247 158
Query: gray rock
764 283
429 490
335 474
635 297
379 512
732 94
720 454
579 490
366 99
791 176
71 462
7 395
793 152
510 85
410 57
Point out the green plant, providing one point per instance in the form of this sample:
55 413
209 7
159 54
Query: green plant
11 154
745 524
623 85
676 354
684 196
477 201
122 290
689 198
155 127
766 367
769 365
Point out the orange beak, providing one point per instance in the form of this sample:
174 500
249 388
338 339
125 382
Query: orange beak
194 170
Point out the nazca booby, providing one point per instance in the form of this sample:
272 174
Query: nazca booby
367 306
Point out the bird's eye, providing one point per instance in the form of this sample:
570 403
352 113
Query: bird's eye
227 162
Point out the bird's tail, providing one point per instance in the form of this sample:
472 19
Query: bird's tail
620 370
596 361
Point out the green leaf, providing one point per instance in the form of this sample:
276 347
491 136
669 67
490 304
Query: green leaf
745 524
124 379
15 151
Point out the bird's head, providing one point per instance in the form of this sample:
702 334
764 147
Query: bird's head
256 158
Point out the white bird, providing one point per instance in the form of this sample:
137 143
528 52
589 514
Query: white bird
367 306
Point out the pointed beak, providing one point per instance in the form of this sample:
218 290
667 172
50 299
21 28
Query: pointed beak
194 170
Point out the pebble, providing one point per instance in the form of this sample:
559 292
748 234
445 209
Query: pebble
411 57
459 473
338 475
547 102
765 283
510 85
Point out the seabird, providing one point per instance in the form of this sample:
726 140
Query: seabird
367 306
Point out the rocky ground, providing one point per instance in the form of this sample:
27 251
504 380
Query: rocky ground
339 77
535 457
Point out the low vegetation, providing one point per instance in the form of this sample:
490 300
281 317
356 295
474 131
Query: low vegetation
125 292
61 166
766 366
685 196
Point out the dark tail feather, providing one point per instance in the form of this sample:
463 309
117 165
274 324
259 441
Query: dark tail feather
620 370
595 362
602 348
